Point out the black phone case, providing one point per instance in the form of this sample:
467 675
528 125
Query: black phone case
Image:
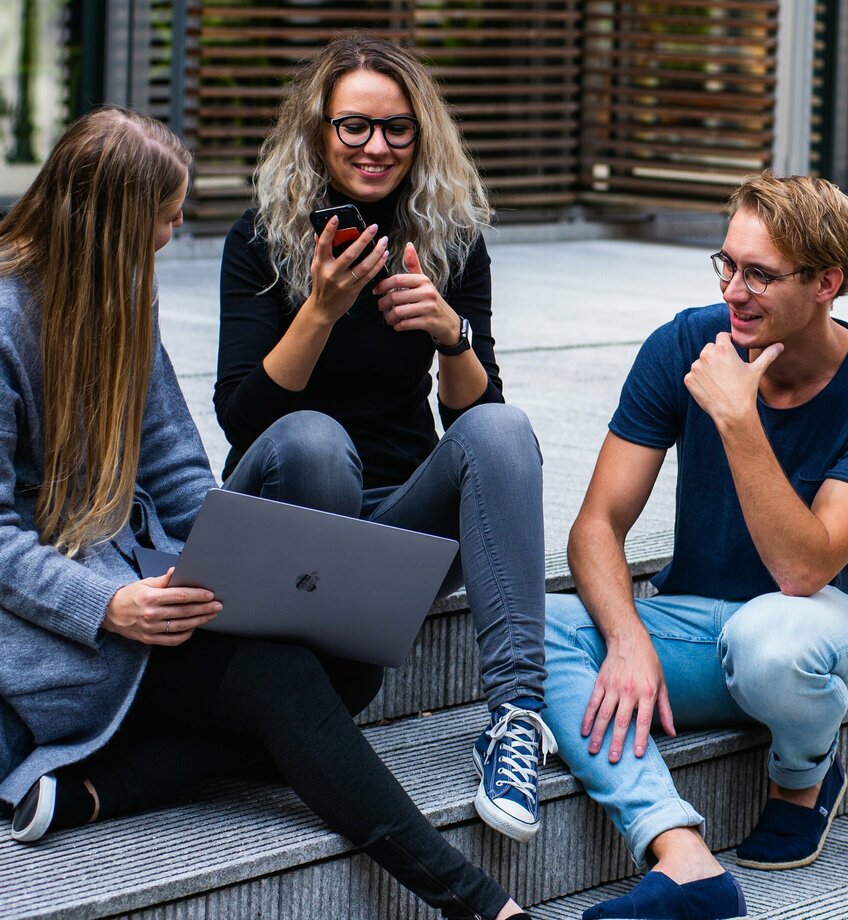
349 220
348 215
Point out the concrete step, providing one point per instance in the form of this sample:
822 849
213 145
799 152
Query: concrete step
816 892
246 850
443 668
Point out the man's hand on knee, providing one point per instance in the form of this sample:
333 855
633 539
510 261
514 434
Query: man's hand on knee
630 681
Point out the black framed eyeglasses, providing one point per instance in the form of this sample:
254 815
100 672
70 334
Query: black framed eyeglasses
399 131
756 280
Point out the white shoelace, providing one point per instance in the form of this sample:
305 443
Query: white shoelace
519 757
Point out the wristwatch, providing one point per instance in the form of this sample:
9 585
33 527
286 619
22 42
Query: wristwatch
462 345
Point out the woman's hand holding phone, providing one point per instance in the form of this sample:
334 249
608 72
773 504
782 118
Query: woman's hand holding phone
336 280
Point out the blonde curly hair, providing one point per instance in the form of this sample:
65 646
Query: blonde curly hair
443 205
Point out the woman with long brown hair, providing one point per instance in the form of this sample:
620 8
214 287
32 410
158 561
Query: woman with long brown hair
111 699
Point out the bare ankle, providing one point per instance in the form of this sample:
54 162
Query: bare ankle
95 814
683 856
510 909
806 798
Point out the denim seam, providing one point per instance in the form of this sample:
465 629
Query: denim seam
272 448
453 440
493 563
391 500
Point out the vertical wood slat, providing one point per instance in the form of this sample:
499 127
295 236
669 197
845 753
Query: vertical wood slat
678 97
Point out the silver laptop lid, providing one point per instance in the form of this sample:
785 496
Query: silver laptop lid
336 584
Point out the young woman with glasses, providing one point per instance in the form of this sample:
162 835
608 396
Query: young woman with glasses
325 358
111 699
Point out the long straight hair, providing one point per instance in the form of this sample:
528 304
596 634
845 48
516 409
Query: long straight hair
82 237
443 207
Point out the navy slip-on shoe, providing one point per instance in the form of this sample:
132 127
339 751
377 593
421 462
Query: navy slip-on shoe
789 836
657 897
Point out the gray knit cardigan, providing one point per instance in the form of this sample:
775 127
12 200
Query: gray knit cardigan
66 684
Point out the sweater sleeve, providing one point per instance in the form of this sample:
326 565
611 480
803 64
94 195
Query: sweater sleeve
254 318
173 468
38 583
471 297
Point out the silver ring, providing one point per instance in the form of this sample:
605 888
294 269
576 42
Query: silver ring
358 277
167 626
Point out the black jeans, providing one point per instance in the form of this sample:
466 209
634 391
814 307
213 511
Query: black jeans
217 705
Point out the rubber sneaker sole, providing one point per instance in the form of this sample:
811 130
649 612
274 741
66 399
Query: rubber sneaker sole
33 816
504 824
807 860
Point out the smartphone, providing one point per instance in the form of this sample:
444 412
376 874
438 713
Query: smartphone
351 226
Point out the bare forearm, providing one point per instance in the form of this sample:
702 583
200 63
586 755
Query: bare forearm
791 540
602 577
462 380
292 360
630 682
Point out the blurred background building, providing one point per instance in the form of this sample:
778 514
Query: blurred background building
575 109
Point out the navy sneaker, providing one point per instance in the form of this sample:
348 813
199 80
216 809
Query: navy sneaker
657 897
789 836
507 759
33 815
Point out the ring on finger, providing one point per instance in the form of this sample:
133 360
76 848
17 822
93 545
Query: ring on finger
167 626
357 277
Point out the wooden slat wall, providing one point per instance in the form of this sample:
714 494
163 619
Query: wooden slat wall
678 98
159 59
821 91
509 70
559 100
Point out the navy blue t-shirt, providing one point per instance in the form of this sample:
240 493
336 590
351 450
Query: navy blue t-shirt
714 555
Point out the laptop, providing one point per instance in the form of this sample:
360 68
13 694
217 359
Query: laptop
336 584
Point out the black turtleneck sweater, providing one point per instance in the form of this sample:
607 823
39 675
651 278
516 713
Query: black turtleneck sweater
372 380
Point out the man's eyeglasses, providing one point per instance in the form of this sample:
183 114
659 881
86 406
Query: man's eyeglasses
756 280
399 131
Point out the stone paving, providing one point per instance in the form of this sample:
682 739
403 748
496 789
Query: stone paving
568 319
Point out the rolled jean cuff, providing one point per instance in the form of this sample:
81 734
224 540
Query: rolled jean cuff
513 692
653 821
801 779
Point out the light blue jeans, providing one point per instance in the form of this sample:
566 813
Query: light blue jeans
481 485
779 660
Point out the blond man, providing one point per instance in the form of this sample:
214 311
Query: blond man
750 621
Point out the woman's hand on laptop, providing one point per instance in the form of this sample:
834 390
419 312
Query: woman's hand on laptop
151 612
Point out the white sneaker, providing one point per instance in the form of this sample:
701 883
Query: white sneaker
35 812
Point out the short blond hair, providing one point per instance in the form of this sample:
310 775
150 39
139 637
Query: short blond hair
806 217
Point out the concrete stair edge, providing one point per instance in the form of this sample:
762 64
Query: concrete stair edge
235 835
